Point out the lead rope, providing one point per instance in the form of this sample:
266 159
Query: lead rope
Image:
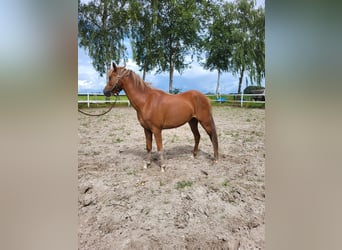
110 108
117 95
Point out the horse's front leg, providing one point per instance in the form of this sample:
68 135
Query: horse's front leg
158 136
148 136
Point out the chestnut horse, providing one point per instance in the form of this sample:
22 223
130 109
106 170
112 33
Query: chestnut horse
158 110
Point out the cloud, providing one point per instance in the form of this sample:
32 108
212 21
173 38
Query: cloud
89 80
85 84
133 66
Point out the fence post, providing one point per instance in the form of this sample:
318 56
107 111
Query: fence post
88 100
241 100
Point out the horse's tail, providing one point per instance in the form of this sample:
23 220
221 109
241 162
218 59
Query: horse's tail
213 138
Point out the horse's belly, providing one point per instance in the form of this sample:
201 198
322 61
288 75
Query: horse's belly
177 118
168 124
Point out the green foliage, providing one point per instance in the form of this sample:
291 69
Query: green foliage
176 91
235 40
166 34
163 33
217 44
102 27
176 35
252 89
249 47
143 32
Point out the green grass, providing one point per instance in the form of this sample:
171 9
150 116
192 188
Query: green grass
117 140
235 101
225 183
100 97
131 173
230 101
183 184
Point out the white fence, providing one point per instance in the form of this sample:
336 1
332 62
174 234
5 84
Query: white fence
237 98
94 100
240 98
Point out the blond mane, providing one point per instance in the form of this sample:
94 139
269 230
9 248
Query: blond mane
138 81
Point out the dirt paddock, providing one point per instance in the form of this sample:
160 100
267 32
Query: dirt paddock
195 204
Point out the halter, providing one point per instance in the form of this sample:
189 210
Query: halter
115 90
118 85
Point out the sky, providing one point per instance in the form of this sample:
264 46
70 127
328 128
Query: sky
89 81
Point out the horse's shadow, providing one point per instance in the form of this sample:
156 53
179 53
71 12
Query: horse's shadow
171 153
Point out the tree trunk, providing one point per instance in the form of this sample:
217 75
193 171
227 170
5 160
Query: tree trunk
107 68
144 72
240 79
218 83
171 77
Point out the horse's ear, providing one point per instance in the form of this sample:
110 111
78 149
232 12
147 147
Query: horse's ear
114 66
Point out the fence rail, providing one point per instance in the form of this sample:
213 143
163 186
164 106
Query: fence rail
237 98
94 100
240 98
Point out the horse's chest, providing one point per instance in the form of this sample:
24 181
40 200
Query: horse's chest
143 121
146 120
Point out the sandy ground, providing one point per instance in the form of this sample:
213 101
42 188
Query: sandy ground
195 204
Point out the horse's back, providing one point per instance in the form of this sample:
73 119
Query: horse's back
198 99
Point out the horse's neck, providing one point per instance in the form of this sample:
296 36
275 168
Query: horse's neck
135 94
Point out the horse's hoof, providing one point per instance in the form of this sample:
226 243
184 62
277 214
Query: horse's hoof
147 164
162 169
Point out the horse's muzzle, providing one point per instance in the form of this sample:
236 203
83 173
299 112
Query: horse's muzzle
107 93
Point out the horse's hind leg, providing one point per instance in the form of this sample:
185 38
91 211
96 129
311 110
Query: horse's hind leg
148 136
210 128
194 128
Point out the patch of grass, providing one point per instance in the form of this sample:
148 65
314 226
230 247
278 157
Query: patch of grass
259 133
248 139
225 183
131 172
161 183
121 128
183 184
233 134
118 140
86 125
254 105
174 138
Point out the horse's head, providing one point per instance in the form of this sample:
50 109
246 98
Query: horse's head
114 85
